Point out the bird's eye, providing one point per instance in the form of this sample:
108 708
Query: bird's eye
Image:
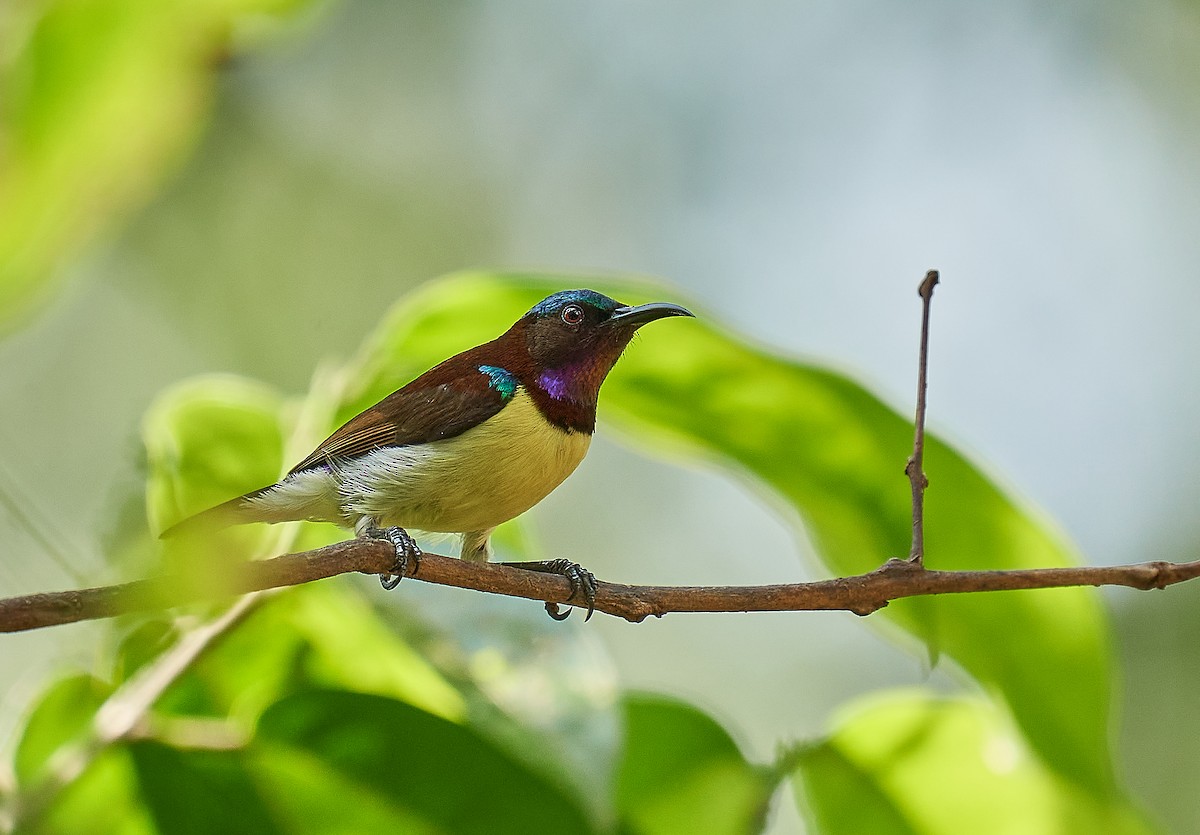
572 314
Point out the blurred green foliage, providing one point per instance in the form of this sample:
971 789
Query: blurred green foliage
315 702
681 772
100 100
907 762
318 712
204 438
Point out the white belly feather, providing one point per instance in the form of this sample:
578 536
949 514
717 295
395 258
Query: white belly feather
472 482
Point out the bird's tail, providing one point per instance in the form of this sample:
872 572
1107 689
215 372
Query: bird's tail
239 511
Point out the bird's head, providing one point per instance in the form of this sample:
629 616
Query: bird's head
575 337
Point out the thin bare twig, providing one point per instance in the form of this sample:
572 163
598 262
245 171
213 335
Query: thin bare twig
118 716
915 467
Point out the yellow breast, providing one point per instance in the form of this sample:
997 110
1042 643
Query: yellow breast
473 482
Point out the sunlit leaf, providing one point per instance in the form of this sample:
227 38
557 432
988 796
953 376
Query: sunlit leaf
911 764
681 773
209 439
834 453
349 647
445 774
98 101
316 635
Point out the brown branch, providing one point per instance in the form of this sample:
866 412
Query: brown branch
861 594
914 469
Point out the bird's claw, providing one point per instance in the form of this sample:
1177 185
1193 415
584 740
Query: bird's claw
555 612
583 583
406 550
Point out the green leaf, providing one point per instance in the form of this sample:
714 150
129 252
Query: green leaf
831 453
141 645
681 773
312 797
199 792
317 635
352 648
209 439
63 715
447 775
911 764
100 100
334 639
103 800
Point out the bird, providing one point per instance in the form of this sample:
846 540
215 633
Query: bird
471 443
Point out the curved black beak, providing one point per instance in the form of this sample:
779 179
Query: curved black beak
639 315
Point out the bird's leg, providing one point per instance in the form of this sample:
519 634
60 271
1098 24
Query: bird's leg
405 545
477 546
583 583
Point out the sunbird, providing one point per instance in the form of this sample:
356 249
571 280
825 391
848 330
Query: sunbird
473 442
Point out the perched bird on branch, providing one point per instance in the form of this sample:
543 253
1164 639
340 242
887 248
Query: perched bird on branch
471 443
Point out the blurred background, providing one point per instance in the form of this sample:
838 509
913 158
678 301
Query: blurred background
796 167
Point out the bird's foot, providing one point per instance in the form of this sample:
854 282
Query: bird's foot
583 583
406 550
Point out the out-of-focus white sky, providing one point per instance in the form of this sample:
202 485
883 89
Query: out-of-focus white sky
796 167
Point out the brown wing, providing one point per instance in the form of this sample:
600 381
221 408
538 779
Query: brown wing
430 408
